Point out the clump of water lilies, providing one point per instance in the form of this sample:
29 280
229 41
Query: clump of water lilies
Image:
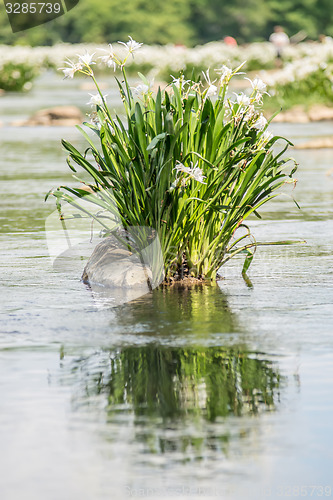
190 161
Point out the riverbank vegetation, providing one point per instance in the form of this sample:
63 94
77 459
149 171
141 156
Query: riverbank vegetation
306 75
187 22
17 77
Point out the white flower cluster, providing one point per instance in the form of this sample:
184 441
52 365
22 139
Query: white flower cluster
170 59
305 60
86 60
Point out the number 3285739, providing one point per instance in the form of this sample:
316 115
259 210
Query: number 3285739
33 8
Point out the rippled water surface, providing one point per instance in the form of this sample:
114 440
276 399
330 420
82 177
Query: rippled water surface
215 392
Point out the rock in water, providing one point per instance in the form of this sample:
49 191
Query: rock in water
320 113
63 116
111 266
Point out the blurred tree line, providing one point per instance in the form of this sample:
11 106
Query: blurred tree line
188 22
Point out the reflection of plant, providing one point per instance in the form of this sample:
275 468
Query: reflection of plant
17 76
180 398
177 397
197 311
190 162
170 382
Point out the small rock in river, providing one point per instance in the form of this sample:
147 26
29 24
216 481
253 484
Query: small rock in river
320 113
63 116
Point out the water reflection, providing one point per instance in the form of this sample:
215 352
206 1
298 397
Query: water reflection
177 399
174 312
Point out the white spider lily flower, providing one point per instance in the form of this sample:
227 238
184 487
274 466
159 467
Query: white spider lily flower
264 139
250 113
141 89
94 119
86 59
110 58
267 136
179 82
193 172
180 167
226 74
69 72
242 99
197 175
212 89
131 45
260 123
258 85
96 100
72 69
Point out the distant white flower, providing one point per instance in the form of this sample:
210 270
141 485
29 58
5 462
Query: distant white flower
131 45
226 74
110 58
242 99
86 59
260 123
228 105
142 90
96 100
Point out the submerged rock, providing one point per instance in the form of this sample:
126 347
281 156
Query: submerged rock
63 116
111 266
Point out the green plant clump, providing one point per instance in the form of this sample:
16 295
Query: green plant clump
17 76
191 162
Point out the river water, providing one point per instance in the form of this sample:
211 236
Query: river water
217 392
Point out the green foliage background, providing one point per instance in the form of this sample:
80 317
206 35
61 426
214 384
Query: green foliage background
187 22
